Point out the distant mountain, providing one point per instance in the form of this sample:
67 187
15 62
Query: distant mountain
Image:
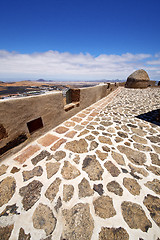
42 80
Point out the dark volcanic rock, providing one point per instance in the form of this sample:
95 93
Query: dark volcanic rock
104 207
115 188
23 236
92 167
52 190
40 157
7 189
135 217
30 193
43 218
37 171
153 205
113 234
98 188
84 188
78 223
5 232
10 210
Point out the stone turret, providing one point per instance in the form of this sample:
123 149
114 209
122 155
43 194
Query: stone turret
138 79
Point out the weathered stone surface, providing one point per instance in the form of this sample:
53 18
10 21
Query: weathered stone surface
111 130
61 129
27 153
134 156
78 127
95 133
40 157
93 145
5 232
132 125
106 140
118 139
52 190
156 149
101 128
76 119
115 188
92 167
23 236
153 169
84 189
125 128
58 204
112 169
52 168
153 205
132 186
47 140
103 207
15 169
101 155
83 132
155 159
59 155
135 216
98 188
69 171
106 149
138 131
76 159
43 218
7 189
106 124
154 139
122 134
138 79
31 194
3 169
90 127
90 137
139 139
113 234
37 171
142 147
141 171
124 170
127 143
71 134
77 146
69 124
68 191
154 185
118 158
78 223
107 134
58 144
47 238
10 210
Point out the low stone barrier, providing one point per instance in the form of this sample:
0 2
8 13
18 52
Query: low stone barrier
24 119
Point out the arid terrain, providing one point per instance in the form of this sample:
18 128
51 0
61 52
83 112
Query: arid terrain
27 88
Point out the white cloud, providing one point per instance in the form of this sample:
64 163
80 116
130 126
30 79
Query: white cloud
66 66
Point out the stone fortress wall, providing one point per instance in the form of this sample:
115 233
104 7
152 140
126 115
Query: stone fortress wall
24 119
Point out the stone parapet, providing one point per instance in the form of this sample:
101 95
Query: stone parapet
24 119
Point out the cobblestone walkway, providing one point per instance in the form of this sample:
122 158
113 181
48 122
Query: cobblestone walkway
96 176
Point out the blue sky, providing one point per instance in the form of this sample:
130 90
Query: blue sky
79 39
